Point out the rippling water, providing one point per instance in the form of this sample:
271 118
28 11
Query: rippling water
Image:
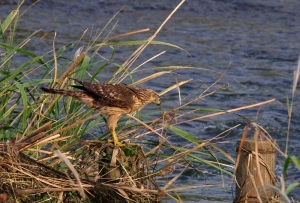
259 43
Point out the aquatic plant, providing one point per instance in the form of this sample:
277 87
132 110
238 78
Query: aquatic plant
65 131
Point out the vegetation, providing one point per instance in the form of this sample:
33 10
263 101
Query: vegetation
66 124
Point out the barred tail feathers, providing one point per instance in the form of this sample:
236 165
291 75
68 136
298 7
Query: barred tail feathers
80 95
60 91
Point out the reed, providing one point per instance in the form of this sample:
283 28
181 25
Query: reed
24 109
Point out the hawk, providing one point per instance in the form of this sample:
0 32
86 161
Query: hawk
112 100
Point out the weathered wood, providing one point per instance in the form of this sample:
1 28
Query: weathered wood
255 171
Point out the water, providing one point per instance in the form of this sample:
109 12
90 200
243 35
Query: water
258 41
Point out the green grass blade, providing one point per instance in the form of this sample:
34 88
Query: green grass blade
291 187
23 52
209 163
9 19
287 163
184 134
9 111
14 49
25 104
18 71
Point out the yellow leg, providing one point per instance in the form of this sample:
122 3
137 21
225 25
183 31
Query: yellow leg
116 140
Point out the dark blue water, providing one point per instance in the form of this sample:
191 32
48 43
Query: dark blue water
254 44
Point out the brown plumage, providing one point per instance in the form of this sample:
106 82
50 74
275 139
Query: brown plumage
112 100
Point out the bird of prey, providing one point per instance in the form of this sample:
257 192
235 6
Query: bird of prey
112 100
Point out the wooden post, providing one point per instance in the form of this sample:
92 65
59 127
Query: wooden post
255 172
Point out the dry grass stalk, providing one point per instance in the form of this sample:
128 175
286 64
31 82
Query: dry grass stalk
93 174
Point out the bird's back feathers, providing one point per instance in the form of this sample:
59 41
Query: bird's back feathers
100 95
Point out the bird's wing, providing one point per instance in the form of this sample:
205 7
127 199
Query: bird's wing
109 94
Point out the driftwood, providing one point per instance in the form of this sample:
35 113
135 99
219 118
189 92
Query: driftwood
106 174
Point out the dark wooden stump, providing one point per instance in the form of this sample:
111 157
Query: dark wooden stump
255 171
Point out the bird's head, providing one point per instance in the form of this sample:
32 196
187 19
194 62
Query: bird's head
154 97
147 96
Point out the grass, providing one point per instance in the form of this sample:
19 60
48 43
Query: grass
290 160
24 108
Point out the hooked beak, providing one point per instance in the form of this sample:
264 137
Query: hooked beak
158 102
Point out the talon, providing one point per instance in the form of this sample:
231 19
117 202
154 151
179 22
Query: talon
117 143
115 139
